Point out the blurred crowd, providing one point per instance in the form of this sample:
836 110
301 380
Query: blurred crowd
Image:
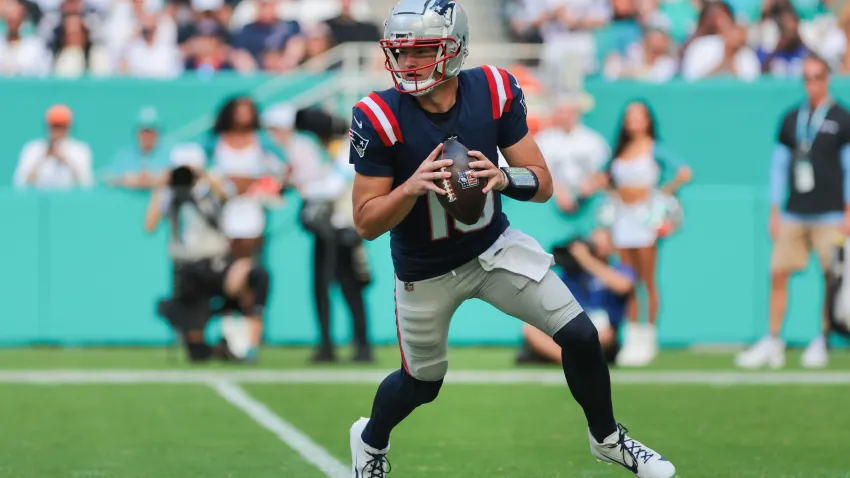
651 40
656 40
165 38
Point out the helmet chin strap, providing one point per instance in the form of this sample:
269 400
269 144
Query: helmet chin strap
434 75
425 91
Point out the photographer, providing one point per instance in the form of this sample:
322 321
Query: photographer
204 270
602 290
324 185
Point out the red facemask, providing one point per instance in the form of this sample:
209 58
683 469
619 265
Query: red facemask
438 76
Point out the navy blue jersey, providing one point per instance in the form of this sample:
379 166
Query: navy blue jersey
391 135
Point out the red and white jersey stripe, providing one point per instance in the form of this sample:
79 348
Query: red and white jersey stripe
382 118
501 94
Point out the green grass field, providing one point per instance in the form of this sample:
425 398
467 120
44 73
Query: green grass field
140 413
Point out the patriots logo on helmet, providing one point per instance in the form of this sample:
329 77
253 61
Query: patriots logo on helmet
467 180
359 142
443 6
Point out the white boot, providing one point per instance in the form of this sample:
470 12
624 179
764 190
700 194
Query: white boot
632 455
630 354
816 354
650 344
640 348
366 462
769 351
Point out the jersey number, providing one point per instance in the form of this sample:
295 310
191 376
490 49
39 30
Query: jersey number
439 218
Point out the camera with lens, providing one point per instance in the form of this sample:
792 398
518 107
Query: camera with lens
319 122
181 177
565 259
180 181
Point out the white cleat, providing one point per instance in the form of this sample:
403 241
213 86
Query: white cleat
366 462
632 455
631 351
816 354
640 346
769 351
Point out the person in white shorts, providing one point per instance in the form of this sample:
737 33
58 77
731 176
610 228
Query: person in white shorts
634 175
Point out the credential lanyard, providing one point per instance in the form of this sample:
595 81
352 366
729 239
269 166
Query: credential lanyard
807 130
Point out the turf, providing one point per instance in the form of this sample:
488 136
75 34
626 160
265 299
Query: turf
471 431
387 357
173 431
479 431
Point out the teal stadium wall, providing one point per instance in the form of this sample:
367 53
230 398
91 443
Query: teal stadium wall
78 268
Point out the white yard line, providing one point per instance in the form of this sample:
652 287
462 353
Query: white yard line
375 377
225 383
309 450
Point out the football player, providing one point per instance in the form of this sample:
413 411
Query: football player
396 139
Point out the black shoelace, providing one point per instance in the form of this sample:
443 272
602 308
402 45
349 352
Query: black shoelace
375 465
633 448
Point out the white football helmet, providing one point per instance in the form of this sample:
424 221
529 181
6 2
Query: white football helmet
426 24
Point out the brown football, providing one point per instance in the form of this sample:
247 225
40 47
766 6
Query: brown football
464 201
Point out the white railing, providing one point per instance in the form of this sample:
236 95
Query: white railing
361 70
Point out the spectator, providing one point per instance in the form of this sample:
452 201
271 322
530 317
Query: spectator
21 52
58 161
74 53
271 60
786 58
203 16
810 210
602 289
567 28
713 17
345 28
319 41
845 27
522 23
208 49
648 60
150 56
51 23
33 14
679 17
268 33
764 29
573 152
127 19
625 9
142 165
639 166
834 47
719 48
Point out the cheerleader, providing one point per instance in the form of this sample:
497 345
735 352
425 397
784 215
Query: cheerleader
643 210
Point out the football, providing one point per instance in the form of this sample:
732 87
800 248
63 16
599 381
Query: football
464 201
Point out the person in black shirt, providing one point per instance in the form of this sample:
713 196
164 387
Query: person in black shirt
345 28
810 205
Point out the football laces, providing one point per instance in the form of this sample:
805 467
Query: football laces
447 186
